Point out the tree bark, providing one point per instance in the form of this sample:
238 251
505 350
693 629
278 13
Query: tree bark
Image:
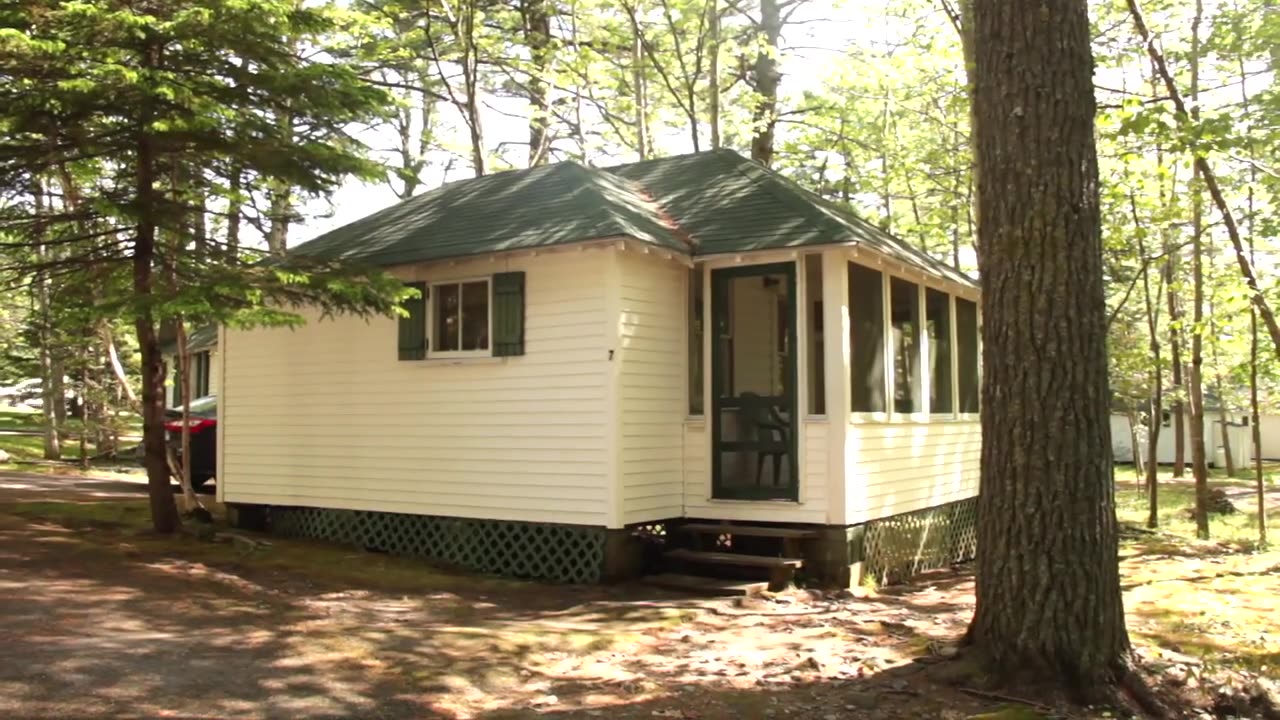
164 512
117 368
1048 586
535 15
639 98
764 116
184 386
1255 405
713 71
471 81
48 388
1156 409
1199 464
1176 381
280 213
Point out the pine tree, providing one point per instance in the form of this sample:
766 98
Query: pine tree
174 103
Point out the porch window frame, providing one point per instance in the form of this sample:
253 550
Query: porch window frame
890 416
434 305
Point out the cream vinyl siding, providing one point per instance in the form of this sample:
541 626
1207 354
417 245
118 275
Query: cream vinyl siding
215 377
893 468
812 507
652 399
326 416
1270 426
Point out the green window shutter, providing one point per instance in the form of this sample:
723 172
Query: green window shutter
413 328
508 314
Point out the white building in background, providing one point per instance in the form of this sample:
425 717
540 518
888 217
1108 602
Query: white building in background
1239 432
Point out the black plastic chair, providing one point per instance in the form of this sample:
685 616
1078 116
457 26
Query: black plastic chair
765 432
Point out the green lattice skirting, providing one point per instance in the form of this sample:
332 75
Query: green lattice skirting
563 553
898 547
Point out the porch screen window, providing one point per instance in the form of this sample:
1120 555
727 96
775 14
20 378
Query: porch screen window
200 369
967 348
905 314
866 335
461 317
938 321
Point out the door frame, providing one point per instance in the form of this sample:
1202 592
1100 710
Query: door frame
720 278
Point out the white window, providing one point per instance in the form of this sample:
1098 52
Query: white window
460 318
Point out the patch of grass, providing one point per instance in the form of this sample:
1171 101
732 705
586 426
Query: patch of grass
20 418
129 514
1210 600
126 524
1174 499
31 447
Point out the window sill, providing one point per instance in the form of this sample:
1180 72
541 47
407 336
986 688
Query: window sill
462 360
733 501
886 419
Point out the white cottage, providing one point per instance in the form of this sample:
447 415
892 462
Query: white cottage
690 357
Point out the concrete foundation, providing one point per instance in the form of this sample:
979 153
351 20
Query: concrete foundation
624 556
834 559
248 517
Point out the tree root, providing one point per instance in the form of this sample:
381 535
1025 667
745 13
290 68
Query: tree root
1134 686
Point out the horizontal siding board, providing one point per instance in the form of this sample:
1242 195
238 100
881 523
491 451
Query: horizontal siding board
901 467
361 502
651 379
325 416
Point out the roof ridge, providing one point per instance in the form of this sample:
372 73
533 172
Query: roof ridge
796 195
605 205
760 175
667 219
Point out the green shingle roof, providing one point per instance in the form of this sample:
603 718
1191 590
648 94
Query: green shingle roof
704 203
204 337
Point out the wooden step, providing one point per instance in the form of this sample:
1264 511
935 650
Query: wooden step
719 558
706 585
749 530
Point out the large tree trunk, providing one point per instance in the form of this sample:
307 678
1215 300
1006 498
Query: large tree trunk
639 94
536 18
183 471
764 117
1155 417
1199 463
713 71
44 316
1177 384
280 213
1255 419
1048 585
1255 405
117 368
164 512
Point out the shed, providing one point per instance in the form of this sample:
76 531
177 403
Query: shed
604 361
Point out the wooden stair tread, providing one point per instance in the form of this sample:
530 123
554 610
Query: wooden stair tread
719 558
749 530
706 585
